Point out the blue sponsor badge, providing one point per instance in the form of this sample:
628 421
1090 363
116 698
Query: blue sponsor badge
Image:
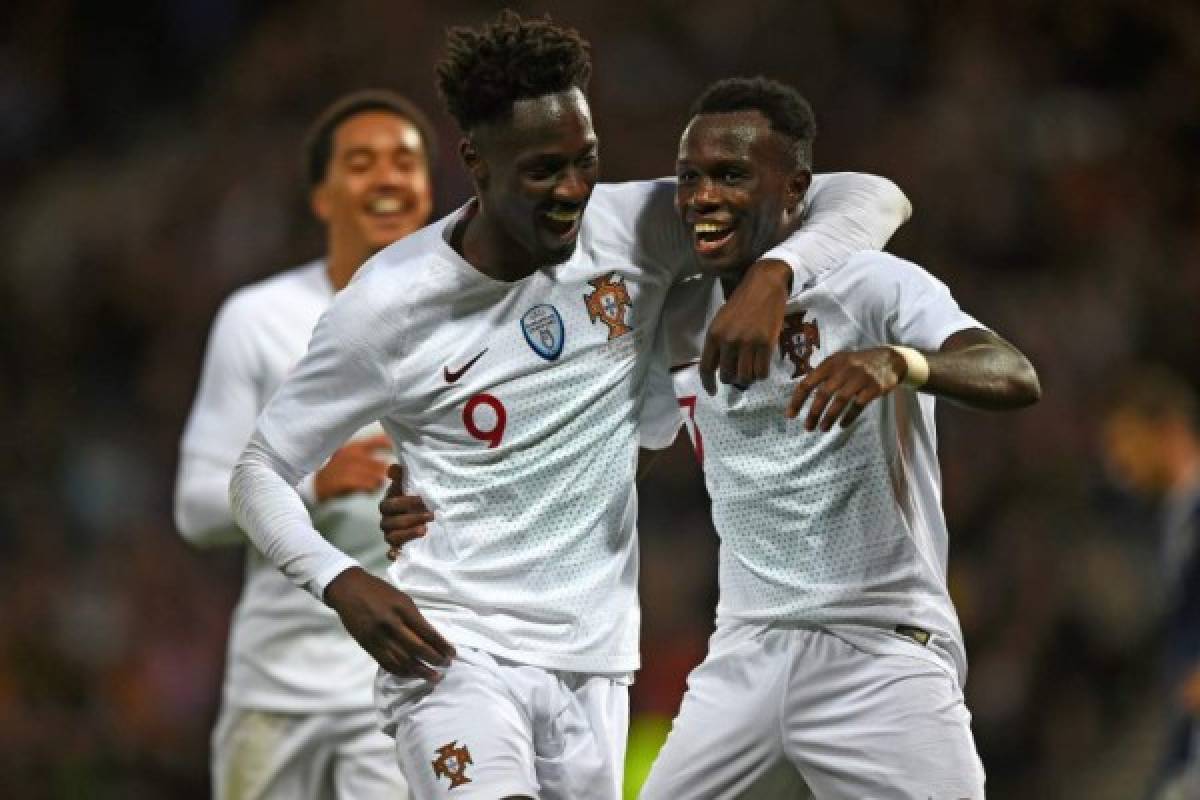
543 328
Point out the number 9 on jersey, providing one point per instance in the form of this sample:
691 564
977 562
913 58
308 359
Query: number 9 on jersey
484 417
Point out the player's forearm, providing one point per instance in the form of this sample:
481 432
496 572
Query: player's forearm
202 512
978 369
276 520
847 212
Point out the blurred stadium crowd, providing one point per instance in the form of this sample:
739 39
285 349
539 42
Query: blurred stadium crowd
150 150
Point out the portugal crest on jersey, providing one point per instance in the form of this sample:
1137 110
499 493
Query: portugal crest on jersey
452 762
608 301
797 341
543 329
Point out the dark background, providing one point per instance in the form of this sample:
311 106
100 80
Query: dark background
149 159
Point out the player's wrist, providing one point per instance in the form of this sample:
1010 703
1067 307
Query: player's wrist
774 272
916 366
339 590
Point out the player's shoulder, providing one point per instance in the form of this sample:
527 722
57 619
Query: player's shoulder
304 283
635 218
867 269
630 198
412 261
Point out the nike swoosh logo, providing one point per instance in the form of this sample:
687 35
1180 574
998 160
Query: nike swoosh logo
451 377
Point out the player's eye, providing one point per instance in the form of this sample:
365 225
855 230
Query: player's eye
686 176
406 163
541 172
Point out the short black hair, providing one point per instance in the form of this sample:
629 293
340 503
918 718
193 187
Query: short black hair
486 71
786 110
318 144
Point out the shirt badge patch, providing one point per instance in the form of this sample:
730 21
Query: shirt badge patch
797 341
608 301
452 762
543 329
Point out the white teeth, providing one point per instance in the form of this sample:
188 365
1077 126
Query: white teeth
563 216
384 205
708 227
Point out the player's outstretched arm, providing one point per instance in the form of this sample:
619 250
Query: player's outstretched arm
974 368
846 213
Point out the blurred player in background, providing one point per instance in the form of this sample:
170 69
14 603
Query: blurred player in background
1151 441
837 656
505 350
297 715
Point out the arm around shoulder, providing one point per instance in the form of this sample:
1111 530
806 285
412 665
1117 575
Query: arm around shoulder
846 212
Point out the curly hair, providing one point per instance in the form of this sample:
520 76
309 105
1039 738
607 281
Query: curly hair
318 144
786 110
486 71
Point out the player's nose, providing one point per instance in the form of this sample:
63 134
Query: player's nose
573 188
705 196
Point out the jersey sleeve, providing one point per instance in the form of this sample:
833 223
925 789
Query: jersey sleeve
342 383
900 303
218 426
845 212
660 419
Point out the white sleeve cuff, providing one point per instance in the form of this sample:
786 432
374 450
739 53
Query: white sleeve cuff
325 575
801 274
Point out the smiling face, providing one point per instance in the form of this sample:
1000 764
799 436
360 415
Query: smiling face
376 187
739 188
534 173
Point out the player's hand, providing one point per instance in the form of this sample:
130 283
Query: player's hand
386 622
355 467
403 517
744 334
842 385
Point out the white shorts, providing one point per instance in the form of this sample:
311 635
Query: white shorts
261 755
778 711
491 728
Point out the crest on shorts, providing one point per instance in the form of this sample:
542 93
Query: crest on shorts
452 762
608 301
543 329
797 341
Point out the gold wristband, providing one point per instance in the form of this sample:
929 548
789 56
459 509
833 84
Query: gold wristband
918 366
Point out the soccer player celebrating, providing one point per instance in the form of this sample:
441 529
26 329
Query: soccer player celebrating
838 657
297 717
505 350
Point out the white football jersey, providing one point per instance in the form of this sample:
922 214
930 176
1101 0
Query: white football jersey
842 528
287 650
516 407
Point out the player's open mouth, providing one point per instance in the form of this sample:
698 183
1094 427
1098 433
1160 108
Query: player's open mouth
710 237
385 206
563 222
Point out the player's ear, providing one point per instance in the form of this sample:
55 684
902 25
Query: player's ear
473 161
797 187
319 200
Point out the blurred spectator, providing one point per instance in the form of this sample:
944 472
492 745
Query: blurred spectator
1152 443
